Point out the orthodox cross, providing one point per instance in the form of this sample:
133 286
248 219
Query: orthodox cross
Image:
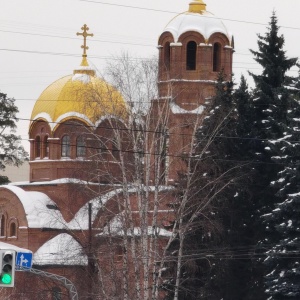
85 35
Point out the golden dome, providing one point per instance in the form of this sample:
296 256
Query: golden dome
81 95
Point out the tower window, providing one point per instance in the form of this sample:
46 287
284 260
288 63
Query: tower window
217 57
80 147
45 147
37 146
114 149
65 146
191 54
167 55
13 229
102 145
2 225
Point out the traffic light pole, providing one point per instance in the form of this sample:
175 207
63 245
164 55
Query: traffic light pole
66 282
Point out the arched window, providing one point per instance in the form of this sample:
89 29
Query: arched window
45 147
65 146
12 229
115 149
167 55
37 146
191 54
80 146
217 57
2 225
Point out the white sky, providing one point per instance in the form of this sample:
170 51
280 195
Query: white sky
30 27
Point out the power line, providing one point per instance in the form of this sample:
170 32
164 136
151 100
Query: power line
74 38
130 59
182 156
173 12
156 131
79 55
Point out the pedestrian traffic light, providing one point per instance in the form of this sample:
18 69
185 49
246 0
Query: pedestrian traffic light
7 261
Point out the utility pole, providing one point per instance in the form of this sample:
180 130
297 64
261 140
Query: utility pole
91 260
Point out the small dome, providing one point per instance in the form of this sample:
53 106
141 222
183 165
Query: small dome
81 95
196 19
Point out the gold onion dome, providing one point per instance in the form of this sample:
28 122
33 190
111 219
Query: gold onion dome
197 19
82 96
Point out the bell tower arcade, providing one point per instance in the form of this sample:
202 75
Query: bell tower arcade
193 48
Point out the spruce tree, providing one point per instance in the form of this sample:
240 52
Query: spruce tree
204 273
282 222
269 110
12 152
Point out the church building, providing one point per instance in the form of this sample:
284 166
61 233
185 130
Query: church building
98 207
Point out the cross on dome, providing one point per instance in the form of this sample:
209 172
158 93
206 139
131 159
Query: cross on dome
84 46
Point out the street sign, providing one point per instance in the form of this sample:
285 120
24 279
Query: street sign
23 256
24 259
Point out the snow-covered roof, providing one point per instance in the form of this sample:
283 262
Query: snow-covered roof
205 23
35 207
80 220
60 250
7 246
40 216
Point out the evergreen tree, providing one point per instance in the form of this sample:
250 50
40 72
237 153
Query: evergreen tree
283 280
12 152
235 136
215 172
269 111
4 180
204 273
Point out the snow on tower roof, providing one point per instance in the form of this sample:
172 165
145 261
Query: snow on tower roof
197 19
206 24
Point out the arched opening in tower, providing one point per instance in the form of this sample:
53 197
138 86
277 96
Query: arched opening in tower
191 51
217 57
167 56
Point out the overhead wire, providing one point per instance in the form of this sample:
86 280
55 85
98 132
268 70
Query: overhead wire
241 253
182 156
169 132
176 12
101 2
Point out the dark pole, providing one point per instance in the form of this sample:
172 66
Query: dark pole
90 228
90 254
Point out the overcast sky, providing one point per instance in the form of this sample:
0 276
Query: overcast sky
39 43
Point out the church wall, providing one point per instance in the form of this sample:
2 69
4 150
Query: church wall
69 197
184 89
12 212
29 286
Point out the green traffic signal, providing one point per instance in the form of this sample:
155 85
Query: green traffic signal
7 267
6 279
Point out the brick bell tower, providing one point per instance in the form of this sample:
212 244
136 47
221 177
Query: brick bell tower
193 48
